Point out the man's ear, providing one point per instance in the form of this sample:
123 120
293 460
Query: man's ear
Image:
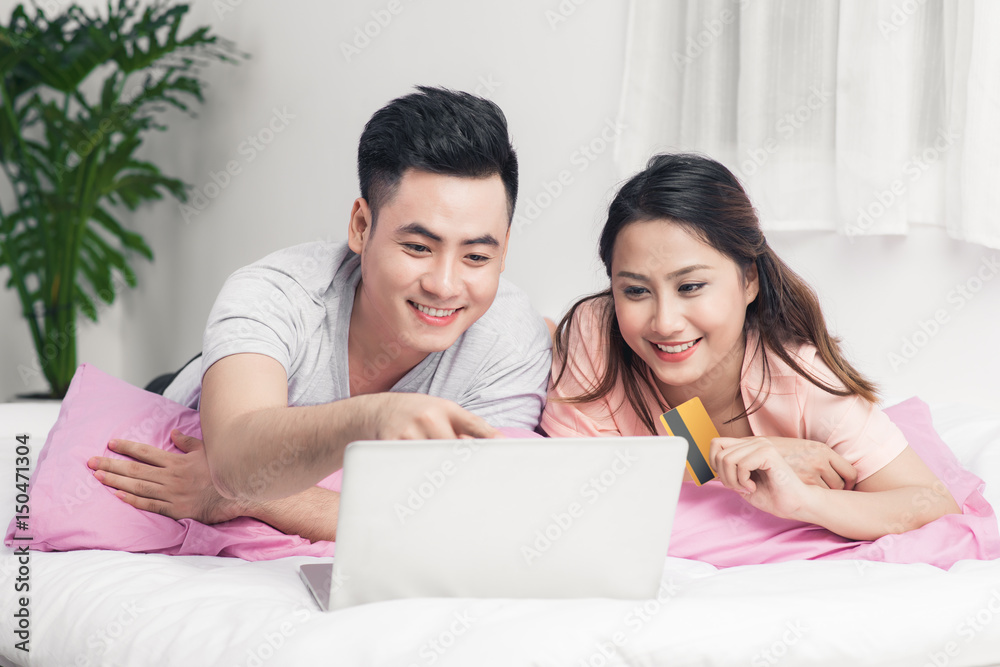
751 282
359 228
506 244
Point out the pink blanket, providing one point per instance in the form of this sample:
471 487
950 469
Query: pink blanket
716 525
72 510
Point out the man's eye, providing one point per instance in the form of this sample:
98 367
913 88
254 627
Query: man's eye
479 259
416 247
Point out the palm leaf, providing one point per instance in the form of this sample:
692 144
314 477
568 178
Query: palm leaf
70 154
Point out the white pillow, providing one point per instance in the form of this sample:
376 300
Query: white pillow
35 419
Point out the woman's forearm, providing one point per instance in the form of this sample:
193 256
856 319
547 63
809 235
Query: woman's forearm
860 515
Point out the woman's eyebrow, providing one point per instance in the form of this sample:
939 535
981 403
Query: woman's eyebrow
670 276
633 276
686 270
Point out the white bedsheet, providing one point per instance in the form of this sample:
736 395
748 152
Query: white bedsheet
112 608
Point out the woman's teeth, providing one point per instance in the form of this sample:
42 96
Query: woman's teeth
674 349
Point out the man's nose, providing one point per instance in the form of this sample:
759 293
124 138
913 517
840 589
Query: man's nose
443 280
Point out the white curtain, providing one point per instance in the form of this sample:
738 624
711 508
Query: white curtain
861 116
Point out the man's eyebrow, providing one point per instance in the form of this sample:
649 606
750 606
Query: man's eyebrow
485 239
420 230
670 276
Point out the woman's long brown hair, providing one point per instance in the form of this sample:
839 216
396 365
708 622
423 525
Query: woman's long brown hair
707 199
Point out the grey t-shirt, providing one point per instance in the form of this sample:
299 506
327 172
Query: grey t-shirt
295 306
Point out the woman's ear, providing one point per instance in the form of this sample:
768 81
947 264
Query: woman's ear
751 283
359 227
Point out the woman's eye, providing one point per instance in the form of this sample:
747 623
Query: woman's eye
688 288
634 291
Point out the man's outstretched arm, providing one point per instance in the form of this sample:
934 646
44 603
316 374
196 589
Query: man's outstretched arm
274 454
261 449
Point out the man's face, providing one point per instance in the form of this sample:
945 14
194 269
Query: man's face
432 265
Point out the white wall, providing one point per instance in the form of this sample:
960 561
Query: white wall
559 86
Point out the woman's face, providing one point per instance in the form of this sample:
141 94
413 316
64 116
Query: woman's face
680 304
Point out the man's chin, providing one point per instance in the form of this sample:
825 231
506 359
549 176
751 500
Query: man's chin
429 344
432 347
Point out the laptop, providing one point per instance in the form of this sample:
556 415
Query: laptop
523 518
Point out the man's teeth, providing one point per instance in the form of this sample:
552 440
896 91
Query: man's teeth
674 349
433 312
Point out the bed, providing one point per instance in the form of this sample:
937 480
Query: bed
94 607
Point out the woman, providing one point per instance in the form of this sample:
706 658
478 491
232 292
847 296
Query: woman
699 305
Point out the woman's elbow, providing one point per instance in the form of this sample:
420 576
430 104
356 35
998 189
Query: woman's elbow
930 503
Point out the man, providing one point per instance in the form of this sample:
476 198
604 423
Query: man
404 332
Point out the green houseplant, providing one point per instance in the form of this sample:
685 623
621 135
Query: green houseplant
78 93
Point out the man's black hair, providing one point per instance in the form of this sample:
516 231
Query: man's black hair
439 131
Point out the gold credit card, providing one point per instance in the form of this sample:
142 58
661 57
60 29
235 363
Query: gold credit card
690 421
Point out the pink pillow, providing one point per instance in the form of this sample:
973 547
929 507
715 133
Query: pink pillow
71 510
716 525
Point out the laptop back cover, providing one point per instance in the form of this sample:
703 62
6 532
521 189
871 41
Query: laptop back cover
558 518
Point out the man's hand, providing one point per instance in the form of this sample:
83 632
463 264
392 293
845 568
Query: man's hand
816 463
261 449
174 485
399 416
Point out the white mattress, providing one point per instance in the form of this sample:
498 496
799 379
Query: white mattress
114 608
